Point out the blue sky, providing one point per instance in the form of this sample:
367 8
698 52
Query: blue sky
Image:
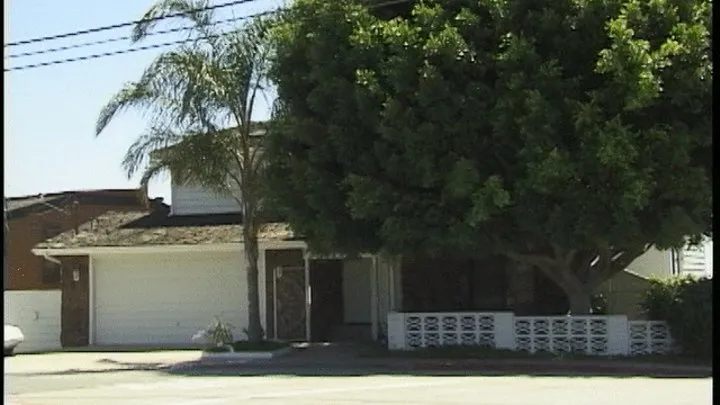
50 112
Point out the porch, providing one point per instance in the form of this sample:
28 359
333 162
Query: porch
316 299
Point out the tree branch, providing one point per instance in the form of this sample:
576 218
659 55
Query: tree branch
614 267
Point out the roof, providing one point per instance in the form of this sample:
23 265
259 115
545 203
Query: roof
17 207
126 229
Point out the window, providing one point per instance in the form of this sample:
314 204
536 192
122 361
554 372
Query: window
52 273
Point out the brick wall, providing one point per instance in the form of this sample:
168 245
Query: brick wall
25 269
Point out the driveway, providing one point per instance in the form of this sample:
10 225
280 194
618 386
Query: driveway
68 362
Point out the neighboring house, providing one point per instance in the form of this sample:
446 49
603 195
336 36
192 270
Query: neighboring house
32 219
33 285
625 290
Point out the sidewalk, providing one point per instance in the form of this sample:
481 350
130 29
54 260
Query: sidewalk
68 362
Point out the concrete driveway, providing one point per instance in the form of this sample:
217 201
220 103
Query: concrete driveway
58 363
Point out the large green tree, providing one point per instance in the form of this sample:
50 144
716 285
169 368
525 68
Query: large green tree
569 135
200 100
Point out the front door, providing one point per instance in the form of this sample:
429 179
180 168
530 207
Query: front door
290 303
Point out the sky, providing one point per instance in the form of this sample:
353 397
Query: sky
50 112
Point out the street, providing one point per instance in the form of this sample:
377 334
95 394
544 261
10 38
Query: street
228 387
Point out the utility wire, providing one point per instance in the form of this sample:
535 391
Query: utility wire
110 40
125 24
131 50
148 47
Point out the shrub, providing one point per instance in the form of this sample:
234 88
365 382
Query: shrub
219 333
686 304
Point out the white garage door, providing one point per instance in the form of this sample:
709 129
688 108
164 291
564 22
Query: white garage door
166 298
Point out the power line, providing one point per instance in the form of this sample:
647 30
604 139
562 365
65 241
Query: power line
121 25
109 40
148 47
124 51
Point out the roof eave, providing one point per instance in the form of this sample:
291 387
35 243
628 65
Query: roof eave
206 247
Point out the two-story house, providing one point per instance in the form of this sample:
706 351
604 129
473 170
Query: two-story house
156 278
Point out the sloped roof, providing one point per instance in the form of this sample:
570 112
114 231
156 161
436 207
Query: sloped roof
115 229
17 207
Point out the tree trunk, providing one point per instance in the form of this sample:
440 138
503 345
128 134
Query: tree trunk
255 331
580 302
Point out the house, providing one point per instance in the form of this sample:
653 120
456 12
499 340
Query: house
146 278
32 284
624 291
157 277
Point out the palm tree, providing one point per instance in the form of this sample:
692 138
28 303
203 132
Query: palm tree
200 99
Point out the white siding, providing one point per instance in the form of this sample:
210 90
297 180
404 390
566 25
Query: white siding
37 314
654 262
356 291
697 260
194 200
167 298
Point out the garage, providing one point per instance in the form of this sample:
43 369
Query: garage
165 298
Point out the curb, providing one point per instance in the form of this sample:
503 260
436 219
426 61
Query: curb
569 368
460 366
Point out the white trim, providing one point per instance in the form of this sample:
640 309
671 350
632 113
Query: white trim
275 300
262 289
210 247
91 302
374 298
308 297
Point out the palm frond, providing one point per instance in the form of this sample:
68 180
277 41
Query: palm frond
144 150
137 94
193 10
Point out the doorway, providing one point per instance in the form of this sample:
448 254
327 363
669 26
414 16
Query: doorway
289 290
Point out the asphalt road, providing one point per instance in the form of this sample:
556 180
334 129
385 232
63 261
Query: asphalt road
226 387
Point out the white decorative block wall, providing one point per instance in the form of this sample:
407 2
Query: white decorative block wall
451 329
591 335
649 337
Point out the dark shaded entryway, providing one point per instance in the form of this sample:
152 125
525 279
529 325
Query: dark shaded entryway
326 286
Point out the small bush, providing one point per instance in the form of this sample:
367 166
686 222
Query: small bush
686 304
219 333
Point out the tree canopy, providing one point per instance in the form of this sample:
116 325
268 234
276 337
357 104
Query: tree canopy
570 135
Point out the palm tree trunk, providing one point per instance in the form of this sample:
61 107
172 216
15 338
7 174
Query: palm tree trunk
255 331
